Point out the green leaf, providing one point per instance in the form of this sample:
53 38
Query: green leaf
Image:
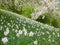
18 30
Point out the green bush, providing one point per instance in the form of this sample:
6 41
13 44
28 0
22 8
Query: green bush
18 30
27 10
50 20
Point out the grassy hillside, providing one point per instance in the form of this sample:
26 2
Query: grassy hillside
18 30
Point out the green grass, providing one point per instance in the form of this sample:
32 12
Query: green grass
44 34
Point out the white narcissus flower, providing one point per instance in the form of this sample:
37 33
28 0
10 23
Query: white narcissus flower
31 33
6 32
17 34
53 33
25 31
4 40
35 42
20 31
